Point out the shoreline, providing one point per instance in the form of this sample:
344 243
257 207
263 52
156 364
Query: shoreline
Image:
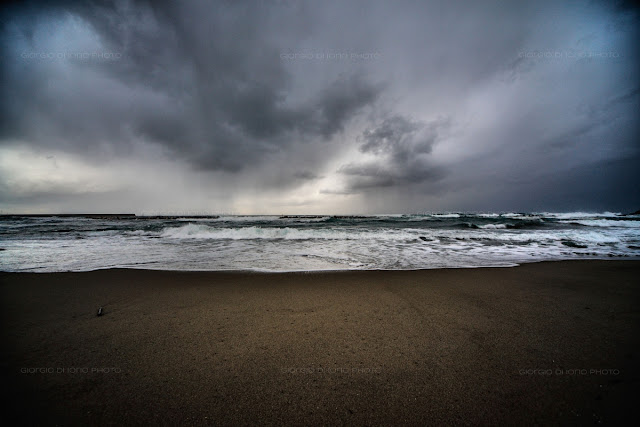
544 342
331 271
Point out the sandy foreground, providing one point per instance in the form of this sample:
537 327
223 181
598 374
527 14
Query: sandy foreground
555 342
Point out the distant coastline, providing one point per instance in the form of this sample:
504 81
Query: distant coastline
107 216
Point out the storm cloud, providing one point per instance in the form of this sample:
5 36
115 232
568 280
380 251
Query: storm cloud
401 148
314 107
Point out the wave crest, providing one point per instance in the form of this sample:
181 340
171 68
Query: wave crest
201 231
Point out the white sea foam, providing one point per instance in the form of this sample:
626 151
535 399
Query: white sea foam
511 215
233 218
579 215
271 243
201 231
605 223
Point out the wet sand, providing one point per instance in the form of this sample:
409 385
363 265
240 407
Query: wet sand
554 342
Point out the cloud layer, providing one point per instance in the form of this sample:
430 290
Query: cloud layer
278 106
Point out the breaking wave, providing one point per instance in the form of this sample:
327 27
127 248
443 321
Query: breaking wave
201 231
299 242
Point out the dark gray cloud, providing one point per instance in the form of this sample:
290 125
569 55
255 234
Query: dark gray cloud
402 138
206 81
306 175
412 105
370 176
401 147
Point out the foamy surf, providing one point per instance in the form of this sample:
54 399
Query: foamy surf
318 242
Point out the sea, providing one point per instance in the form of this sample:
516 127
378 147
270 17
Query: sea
312 242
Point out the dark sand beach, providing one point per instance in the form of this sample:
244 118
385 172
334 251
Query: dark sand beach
552 342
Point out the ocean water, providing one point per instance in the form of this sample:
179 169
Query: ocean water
291 243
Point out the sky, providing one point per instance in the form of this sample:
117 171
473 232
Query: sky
319 107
